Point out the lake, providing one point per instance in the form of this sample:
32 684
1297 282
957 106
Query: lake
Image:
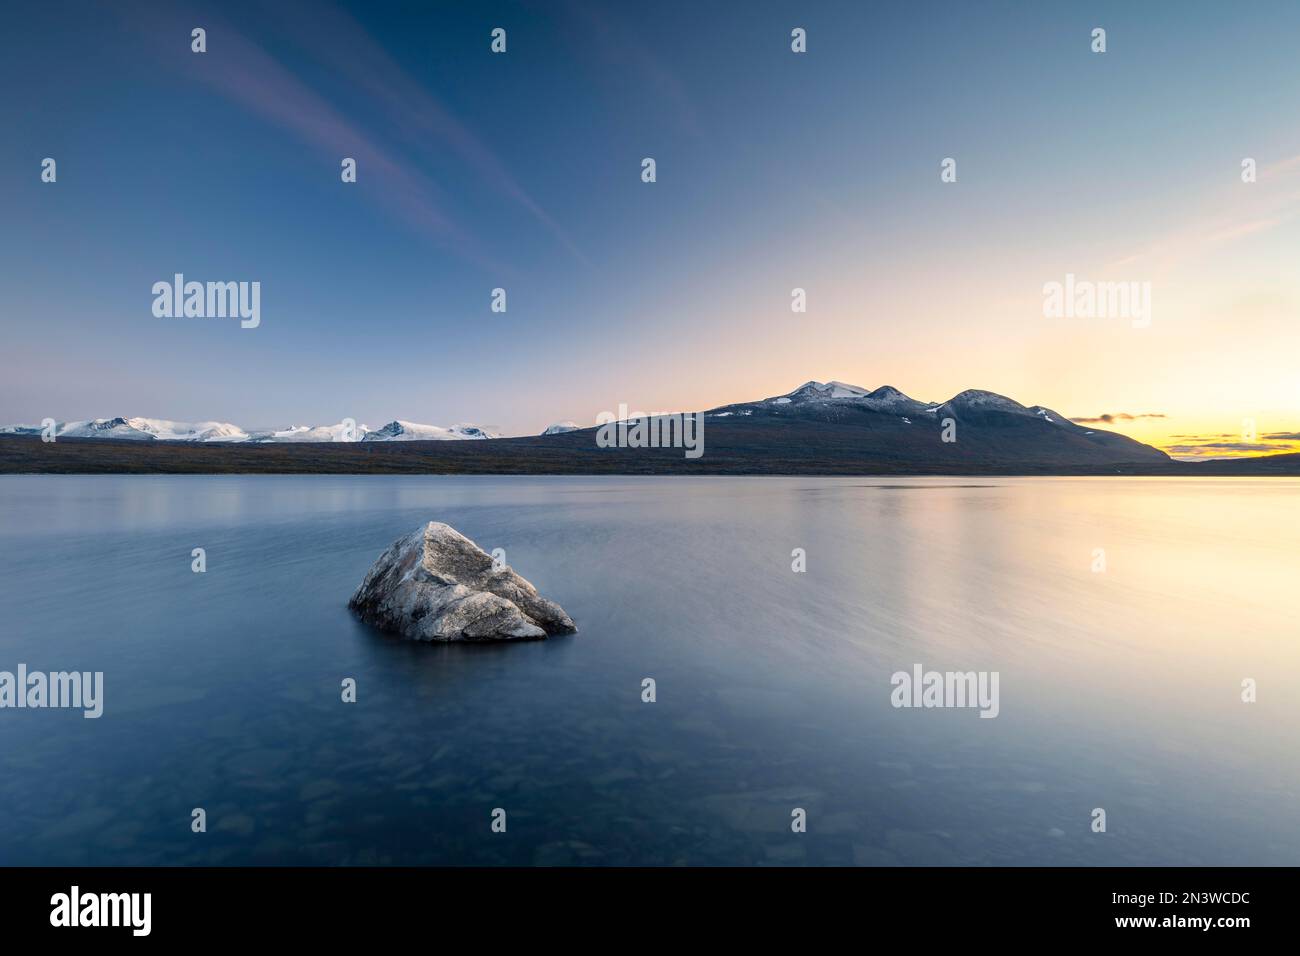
1120 615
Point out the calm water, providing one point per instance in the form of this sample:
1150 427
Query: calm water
1118 690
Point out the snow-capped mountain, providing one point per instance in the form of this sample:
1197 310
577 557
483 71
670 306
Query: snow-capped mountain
106 428
410 431
157 429
188 431
343 431
817 391
138 429
559 428
987 425
886 398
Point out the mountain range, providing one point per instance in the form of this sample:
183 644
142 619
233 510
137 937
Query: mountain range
986 425
161 429
893 419
822 428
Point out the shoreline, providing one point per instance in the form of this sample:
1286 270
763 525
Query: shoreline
560 456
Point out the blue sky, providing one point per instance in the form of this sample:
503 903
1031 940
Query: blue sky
522 171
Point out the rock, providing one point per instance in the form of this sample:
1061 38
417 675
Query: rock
435 584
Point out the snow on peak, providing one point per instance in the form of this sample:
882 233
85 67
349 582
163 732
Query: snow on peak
143 429
165 430
398 430
991 401
103 428
980 400
343 431
844 390
559 428
1056 418
888 397
884 398
821 391
466 430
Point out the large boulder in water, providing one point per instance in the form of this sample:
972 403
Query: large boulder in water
435 584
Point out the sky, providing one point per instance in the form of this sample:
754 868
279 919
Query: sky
775 170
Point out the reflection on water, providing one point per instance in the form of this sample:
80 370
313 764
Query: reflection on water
1119 689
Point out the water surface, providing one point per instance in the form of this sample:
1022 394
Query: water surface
1119 689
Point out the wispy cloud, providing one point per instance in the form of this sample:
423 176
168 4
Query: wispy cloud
620 46
1233 446
1108 418
242 71
414 114
1214 446
1232 213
